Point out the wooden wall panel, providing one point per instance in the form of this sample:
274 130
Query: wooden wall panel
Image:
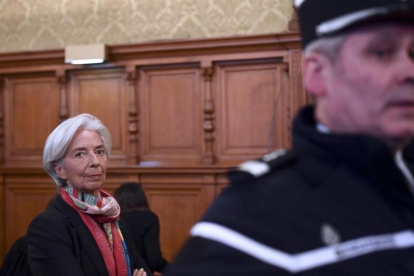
25 197
252 108
102 94
181 113
171 114
113 180
31 113
175 222
179 201
299 95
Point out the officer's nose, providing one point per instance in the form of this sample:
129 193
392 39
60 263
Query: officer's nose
406 69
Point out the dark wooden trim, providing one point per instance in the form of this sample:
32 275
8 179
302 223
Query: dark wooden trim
47 60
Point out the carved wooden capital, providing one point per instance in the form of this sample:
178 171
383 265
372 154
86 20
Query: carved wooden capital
61 77
208 74
131 74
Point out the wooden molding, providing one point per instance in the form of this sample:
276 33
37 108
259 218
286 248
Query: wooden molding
208 110
180 113
52 60
133 117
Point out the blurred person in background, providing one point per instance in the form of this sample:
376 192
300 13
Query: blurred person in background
142 223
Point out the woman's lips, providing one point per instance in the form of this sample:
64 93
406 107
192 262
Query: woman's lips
95 176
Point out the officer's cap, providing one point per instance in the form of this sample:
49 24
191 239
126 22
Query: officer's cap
320 18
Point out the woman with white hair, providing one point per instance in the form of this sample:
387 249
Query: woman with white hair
80 232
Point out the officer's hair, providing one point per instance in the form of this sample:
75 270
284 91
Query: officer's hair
327 46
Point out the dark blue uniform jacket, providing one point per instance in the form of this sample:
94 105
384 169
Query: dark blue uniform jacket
333 205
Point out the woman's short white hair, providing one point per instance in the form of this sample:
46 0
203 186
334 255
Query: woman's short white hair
59 140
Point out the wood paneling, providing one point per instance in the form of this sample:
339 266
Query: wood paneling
171 113
102 94
179 200
181 113
252 108
25 197
113 180
31 113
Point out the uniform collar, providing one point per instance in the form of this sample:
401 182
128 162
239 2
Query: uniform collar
366 154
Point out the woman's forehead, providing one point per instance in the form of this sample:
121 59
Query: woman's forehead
86 138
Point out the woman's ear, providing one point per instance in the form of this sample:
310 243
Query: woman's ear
60 170
315 69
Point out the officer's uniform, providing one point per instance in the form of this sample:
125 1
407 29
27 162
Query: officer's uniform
335 205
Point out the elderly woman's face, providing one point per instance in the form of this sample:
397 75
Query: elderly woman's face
84 165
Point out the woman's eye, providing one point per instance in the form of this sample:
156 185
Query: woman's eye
100 152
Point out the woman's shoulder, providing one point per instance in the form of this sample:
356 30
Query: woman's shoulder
53 216
48 217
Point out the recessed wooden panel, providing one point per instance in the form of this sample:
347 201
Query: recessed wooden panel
174 85
102 93
25 199
31 113
113 180
170 115
178 209
252 110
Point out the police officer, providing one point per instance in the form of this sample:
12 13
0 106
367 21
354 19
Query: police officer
341 202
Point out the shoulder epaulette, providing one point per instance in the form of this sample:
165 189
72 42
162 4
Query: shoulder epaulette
254 169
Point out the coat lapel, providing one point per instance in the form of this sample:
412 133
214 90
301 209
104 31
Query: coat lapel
83 234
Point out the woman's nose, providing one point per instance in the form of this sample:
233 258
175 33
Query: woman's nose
94 159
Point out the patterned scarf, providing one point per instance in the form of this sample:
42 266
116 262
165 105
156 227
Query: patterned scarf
103 209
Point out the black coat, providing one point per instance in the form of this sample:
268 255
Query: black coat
15 263
334 205
144 228
61 244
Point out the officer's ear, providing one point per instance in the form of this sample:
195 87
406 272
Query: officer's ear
315 70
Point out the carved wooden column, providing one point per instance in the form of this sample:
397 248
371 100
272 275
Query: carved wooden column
133 129
208 109
62 81
298 95
286 91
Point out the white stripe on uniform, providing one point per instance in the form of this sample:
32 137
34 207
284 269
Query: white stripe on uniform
295 263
